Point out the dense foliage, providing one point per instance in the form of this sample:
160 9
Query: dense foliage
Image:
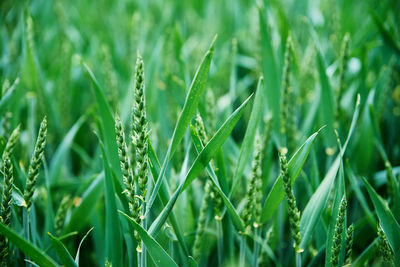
200 133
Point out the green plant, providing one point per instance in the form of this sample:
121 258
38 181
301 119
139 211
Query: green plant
199 151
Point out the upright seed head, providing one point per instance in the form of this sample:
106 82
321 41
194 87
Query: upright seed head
6 208
391 183
11 142
36 162
337 236
130 188
139 127
7 191
199 125
59 219
384 247
294 213
201 224
252 208
124 160
214 195
349 244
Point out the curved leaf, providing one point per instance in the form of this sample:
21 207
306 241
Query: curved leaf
62 252
389 224
248 140
189 109
61 153
200 163
28 248
318 200
276 195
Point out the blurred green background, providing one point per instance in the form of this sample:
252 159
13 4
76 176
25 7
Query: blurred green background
43 43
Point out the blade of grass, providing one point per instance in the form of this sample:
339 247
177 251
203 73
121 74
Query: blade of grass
388 37
6 98
236 219
28 248
359 195
276 195
192 100
327 103
318 200
270 72
165 196
156 252
389 224
107 124
88 202
113 229
62 252
80 245
200 163
248 140
340 192
59 157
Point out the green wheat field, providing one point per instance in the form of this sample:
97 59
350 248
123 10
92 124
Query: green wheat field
199 133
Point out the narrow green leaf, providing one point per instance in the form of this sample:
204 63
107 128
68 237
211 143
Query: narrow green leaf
88 203
156 252
318 200
236 219
34 253
276 195
388 37
113 229
248 140
62 252
359 195
165 195
200 163
366 255
80 245
6 98
59 157
189 109
270 71
107 124
340 192
389 224
213 145
327 100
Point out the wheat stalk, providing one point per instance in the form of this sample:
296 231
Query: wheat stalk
36 162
